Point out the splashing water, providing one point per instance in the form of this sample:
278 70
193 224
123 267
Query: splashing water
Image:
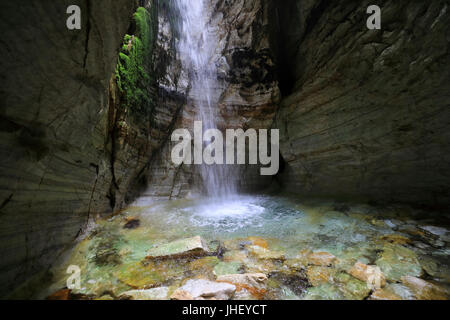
197 48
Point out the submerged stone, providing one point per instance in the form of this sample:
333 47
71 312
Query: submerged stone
64 294
369 274
424 290
324 291
195 246
254 283
204 290
147 275
318 275
296 282
397 261
251 280
352 288
139 276
132 223
384 294
265 254
321 259
224 268
396 239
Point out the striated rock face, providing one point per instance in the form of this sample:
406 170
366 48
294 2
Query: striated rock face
366 112
247 90
55 141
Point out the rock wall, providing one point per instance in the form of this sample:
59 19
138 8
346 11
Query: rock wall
55 134
365 112
247 92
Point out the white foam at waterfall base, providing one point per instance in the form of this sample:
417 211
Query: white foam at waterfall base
227 214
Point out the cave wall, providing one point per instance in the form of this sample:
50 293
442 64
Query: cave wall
365 113
57 119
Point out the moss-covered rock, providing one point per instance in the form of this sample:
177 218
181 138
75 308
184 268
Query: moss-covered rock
134 68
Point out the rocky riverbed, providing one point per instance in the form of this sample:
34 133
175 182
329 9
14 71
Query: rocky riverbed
259 247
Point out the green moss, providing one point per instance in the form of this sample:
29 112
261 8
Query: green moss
134 66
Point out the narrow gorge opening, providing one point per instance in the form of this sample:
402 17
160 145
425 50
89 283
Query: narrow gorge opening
93 204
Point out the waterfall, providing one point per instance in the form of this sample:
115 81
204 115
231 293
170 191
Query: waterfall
197 48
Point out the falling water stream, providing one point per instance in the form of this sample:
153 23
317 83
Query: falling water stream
197 48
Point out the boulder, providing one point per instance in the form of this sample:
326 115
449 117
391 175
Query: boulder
396 239
201 289
150 294
318 275
224 268
369 274
397 261
63 294
254 283
181 295
195 246
147 274
351 287
265 254
252 280
321 259
383 294
132 223
424 290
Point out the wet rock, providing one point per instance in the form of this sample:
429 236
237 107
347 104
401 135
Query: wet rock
105 297
244 295
224 268
390 224
195 246
234 255
435 268
203 267
412 230
424 290
396 239
257 241
368 274
261 266
324 291
149 275
181 295
250 280
297 282
400 290
438 231
295 264
318 275
397 261
253 283
351 287
132 223
104 249
63 294
150 294
421 245
321 259
265 254
205 290
383 294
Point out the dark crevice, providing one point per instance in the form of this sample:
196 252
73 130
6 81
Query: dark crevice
88 32
6 201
